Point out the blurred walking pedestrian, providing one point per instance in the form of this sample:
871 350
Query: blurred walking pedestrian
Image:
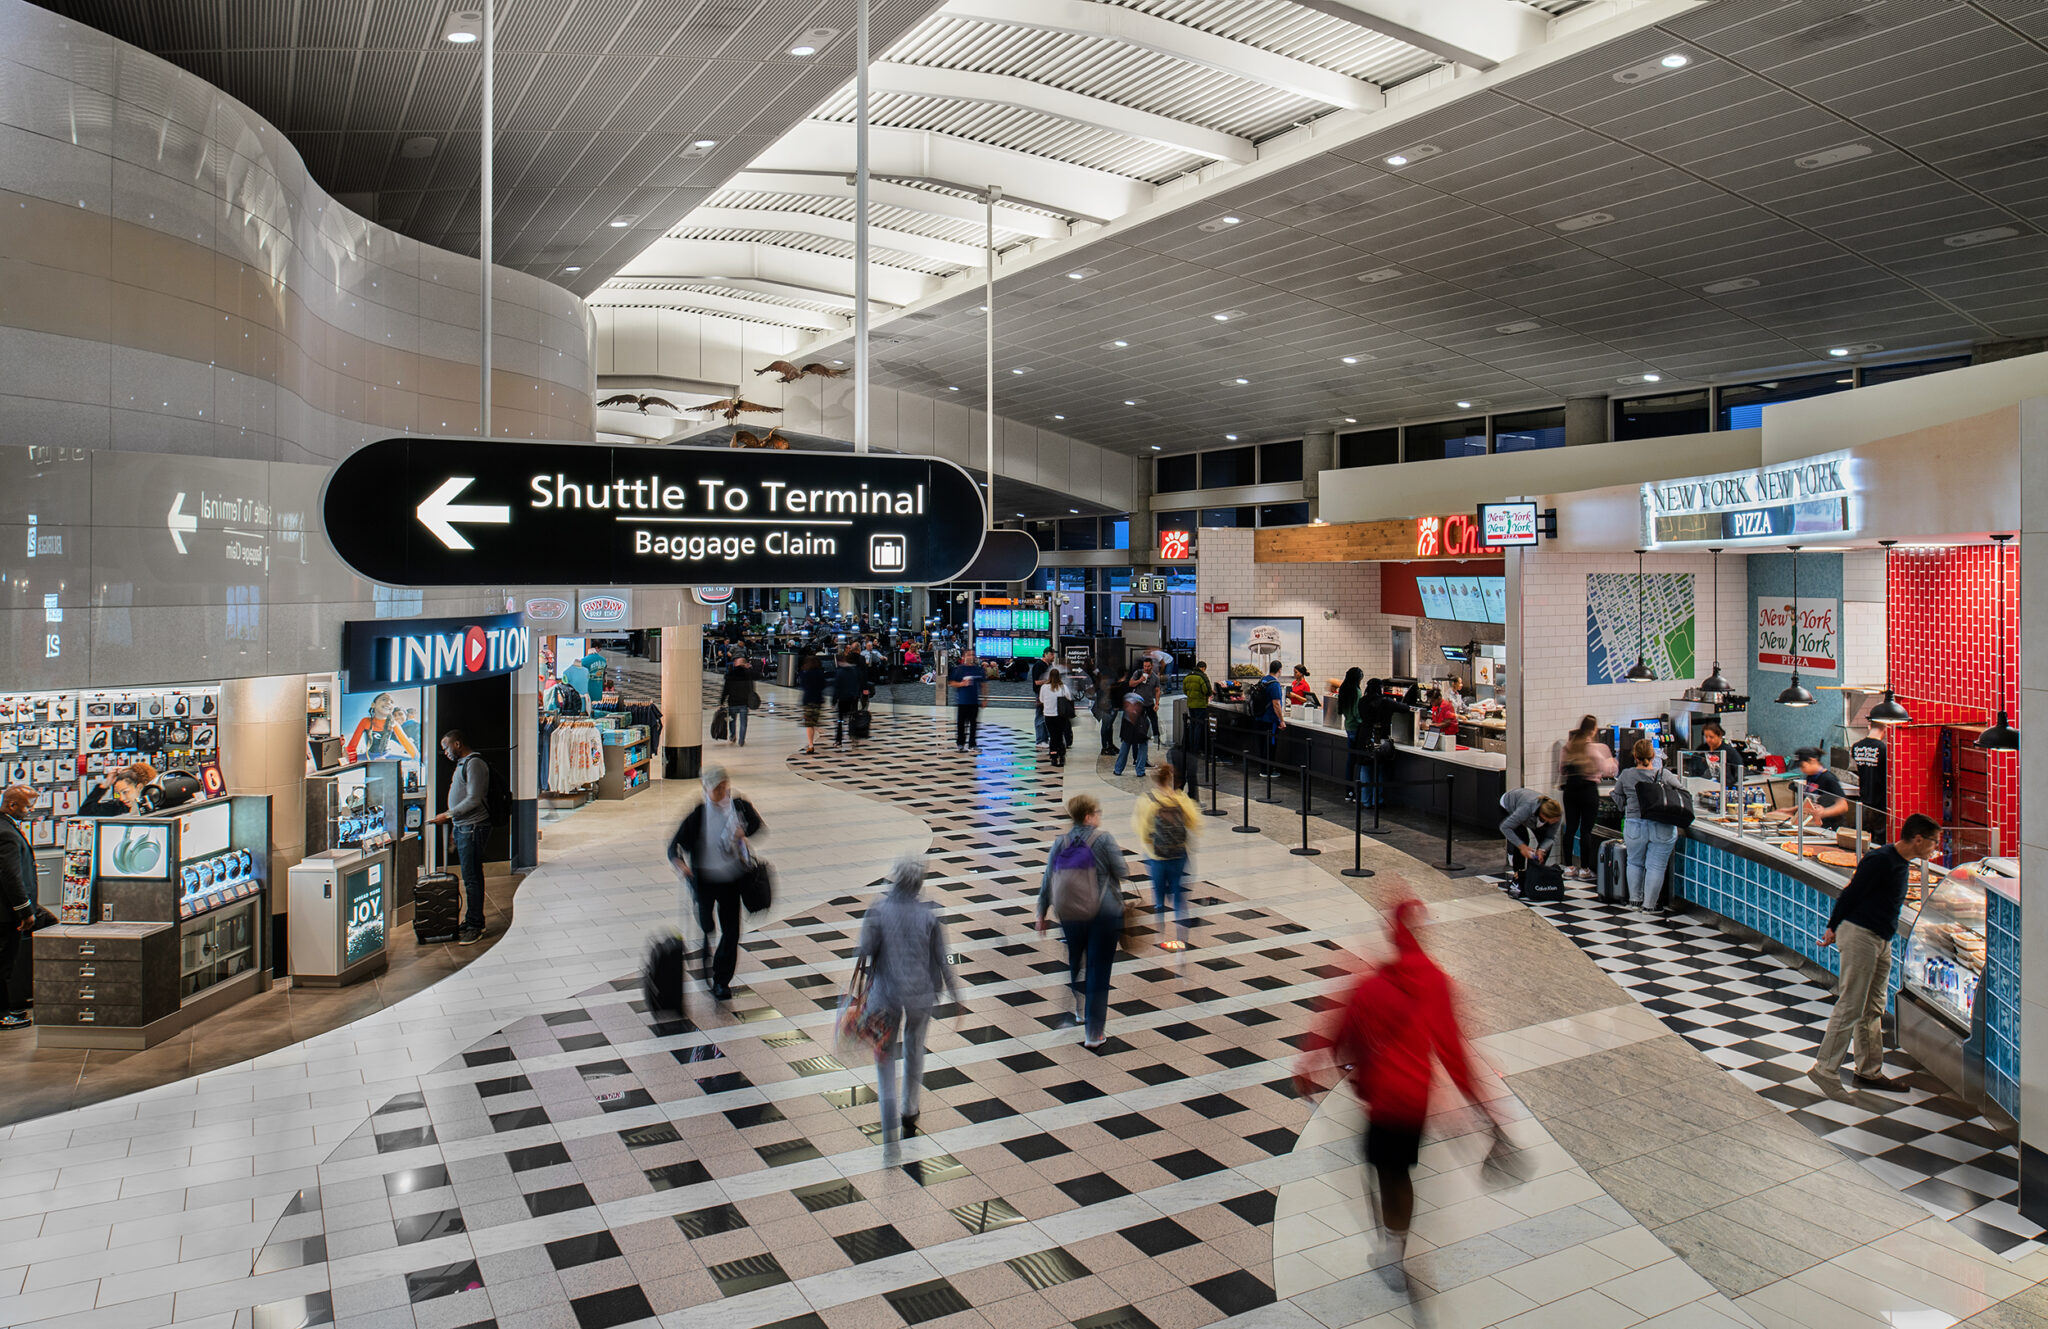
710 850
904 945
1082 887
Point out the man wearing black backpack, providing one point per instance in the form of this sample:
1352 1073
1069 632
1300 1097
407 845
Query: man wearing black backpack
469 808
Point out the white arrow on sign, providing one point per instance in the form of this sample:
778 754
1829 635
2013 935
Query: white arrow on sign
440 511
180 523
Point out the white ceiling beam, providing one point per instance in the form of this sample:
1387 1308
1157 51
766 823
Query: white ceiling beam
672 259
1135 28
888 194
1480 33
833 228
732 306
887 76
826 147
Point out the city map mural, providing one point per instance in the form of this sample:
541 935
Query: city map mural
1667 625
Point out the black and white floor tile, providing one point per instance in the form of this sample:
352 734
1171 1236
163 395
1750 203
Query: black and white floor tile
1762 1020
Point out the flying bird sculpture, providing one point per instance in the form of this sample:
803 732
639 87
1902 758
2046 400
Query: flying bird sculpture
783 369
734 406
638 402
823 371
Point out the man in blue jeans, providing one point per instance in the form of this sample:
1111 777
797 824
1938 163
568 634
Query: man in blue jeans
469 808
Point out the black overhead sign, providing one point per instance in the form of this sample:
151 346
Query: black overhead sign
463 512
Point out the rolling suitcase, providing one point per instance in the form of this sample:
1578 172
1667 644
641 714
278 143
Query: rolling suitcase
436 902
857 724
1611 878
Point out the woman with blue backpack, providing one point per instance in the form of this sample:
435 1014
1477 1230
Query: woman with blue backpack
1164 820
1082 887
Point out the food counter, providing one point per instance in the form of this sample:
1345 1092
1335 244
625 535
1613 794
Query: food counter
1414 776
1954 983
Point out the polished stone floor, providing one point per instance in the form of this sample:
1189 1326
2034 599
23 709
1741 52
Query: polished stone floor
397 1171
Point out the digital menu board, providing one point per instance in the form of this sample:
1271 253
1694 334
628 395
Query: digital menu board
1494 590
1436 597
1467 606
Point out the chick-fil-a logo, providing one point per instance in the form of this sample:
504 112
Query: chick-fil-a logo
1456 536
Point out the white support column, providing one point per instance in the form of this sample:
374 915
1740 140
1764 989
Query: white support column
2033 848
525 762
682 700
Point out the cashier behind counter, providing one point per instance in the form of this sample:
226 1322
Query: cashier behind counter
1714 753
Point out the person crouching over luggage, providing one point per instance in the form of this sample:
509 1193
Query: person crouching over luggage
1530 827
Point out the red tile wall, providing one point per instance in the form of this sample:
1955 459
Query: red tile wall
1944 644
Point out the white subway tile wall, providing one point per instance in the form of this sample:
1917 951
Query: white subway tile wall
1358 634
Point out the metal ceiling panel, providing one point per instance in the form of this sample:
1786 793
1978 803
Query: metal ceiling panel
346 80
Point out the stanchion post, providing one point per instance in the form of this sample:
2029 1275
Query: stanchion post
1247 828
1358 867
1209 750
1450 806
1305 851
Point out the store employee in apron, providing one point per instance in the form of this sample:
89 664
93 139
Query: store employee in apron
1826 805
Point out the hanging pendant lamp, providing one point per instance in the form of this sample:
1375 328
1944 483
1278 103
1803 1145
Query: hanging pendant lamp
1715 682
1889 711
1797 694
1640 671
2000 737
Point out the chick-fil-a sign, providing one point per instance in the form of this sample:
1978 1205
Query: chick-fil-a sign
1805 639
1456 536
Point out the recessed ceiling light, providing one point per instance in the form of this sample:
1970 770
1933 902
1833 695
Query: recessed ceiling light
1378 275
1983 237
951 388
1231 437
1081 274
705 143
1464 405
1350 419
803 50
1845 380
1021 370
1240 381
1224 316
463 26
1524 325
573 268
1584 221
1075 511
418 146
1232 221
1059 417
1222 223
1854 348
1653 378
813 40
1155 447
1397 160
1119 344
839 362
1020 514
625 219
1731 284
1350 359
1839 351
1655 67
1408 156
1675 61
1130 401
1832 156
979 309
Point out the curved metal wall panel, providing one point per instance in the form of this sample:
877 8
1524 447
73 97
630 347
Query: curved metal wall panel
191 332
172 281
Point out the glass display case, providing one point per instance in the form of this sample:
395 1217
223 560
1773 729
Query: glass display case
217 947
1945 953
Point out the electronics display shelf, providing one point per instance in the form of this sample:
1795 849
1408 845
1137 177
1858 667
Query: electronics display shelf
60 743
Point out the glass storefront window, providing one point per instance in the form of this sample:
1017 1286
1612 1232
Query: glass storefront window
1080 533
1279 463
1116 533
1044 534
1244 516
1661 416
1742 406
1447 438
1893 373
1227 468
1184 520
1526 431
1371 447
1284 514
1174 474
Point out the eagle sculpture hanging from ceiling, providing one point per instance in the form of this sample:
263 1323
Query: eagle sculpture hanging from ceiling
789 373
631 401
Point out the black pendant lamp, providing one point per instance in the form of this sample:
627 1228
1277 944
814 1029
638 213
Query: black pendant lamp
1798 694
1889 711
1715 682
2001 737
1640 671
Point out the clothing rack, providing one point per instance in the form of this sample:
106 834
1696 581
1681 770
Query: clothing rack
640 713
571 754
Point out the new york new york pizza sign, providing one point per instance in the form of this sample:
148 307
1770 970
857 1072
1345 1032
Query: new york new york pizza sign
462 512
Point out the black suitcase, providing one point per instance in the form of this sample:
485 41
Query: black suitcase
436 906
1543 883
857 724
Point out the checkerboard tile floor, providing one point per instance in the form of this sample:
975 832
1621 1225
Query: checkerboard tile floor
598 1166
1763 1021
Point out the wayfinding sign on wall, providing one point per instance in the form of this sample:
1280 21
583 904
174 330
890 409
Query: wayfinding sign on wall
460 512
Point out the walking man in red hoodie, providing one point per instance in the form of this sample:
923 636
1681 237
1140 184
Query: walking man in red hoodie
1398 1020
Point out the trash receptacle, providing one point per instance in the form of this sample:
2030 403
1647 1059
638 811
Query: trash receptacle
785 669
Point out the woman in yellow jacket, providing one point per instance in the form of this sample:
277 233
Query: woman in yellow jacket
1164 821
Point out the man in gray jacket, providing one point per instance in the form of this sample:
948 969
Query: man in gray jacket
1530 827
469 808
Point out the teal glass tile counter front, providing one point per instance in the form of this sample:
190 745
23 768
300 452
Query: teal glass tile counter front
1791 912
